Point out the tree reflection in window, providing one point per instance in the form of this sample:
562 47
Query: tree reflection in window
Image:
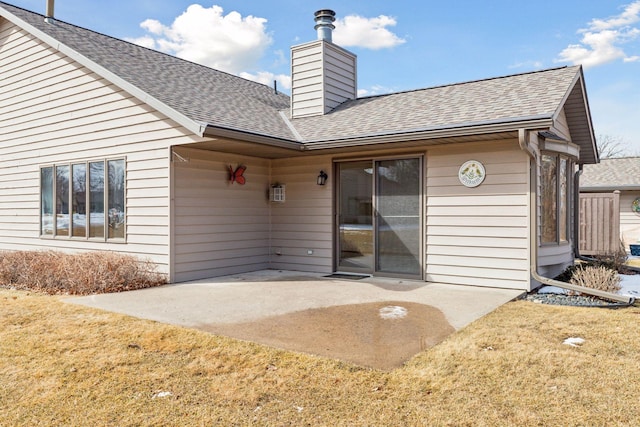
116 198
554 198
96 199
77 196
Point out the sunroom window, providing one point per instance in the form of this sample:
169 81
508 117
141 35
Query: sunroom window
554 198
73 198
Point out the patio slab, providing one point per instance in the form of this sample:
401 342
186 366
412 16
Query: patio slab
373 322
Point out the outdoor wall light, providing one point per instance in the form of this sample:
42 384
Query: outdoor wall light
322 178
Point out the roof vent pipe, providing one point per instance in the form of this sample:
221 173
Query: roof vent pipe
324 23
49 11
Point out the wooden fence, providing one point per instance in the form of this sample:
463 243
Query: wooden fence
599 223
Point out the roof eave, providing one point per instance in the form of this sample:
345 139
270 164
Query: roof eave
241 135
579 79
460 130
193 126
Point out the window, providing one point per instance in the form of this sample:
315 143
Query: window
73 203
554 198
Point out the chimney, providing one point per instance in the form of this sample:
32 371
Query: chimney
323 75
49 11
324 24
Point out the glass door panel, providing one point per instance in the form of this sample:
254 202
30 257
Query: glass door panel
355 220
398 212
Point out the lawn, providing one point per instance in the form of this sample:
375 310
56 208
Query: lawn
63 364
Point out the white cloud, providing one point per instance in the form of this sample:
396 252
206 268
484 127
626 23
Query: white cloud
267 78
601 41
230 43
370 33
536 65
630 15
375 90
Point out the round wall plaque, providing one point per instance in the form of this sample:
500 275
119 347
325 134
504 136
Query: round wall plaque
471 173
635 205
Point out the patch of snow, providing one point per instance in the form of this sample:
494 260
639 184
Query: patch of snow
393 312
574 341
630 284
162 394
552 290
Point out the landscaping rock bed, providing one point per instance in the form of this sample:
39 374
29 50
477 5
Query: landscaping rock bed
574 300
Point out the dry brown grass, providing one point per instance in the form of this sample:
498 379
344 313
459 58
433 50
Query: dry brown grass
62 364
76 274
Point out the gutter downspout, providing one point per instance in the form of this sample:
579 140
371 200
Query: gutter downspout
533 235
576 210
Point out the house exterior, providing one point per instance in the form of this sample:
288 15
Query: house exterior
106 145
621 175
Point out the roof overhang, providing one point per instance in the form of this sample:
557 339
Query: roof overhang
432 133
576 108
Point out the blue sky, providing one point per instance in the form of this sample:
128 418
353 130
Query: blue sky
400 45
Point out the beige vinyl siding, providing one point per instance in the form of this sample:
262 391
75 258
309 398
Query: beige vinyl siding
629 220
340 76
561 126
54 111
478 236
306 80
323 75
220 227
304 221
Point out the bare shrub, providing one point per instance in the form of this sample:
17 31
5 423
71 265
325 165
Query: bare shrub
596 277
615 260
77 274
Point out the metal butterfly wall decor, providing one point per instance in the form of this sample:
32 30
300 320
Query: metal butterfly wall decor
237 174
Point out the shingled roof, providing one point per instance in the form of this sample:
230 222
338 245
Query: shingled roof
522 97
612 174
211 101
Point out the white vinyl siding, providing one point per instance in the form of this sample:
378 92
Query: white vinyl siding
303 222
220 227
478 236
54 111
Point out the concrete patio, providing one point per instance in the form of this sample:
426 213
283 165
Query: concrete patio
375 322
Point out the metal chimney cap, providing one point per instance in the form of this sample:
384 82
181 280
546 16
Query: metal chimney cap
325 13
324 23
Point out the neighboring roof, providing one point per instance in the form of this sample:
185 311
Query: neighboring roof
612 174
208 101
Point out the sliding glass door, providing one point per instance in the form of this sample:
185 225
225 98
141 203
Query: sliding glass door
355 217
379 217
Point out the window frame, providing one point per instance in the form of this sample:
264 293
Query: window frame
107 221
563 196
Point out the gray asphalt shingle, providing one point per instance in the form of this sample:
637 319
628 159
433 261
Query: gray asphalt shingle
219 99
612 174
500 99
